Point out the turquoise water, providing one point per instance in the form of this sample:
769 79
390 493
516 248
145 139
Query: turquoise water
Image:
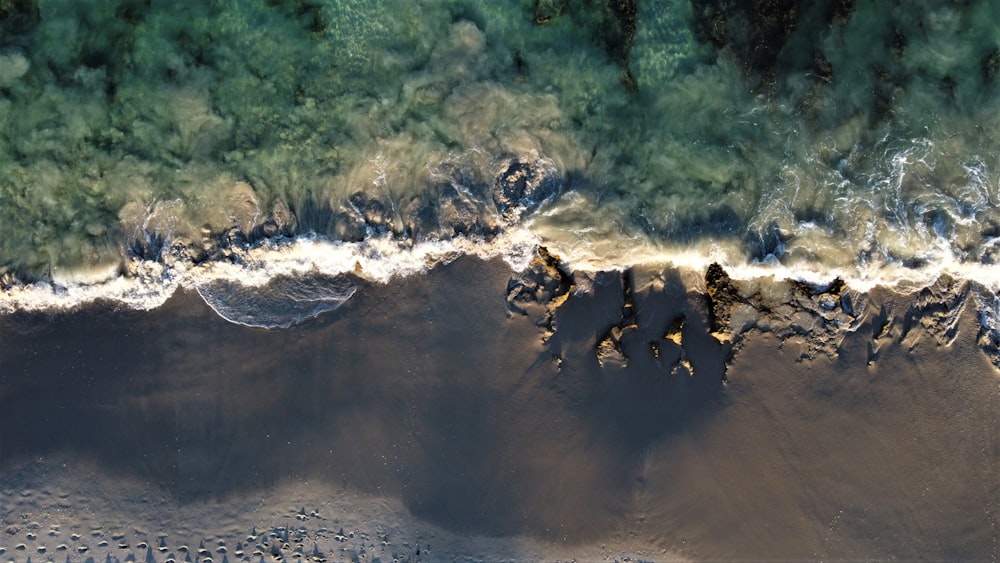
146 145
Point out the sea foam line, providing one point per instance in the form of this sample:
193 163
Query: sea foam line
377 259
382 259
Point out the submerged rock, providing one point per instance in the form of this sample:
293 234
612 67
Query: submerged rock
18 16
612 24
283 219
8 281
755 33
620 44
547 10
990 65
460 212
522 185
419 218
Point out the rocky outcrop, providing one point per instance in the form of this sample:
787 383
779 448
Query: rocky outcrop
722 294
546 284
609 348
522 185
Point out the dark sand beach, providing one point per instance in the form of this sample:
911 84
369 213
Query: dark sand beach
426 410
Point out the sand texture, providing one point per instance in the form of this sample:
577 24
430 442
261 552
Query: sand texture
473 415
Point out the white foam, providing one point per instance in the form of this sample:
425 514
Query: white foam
283 302
376 259
381 259
632 252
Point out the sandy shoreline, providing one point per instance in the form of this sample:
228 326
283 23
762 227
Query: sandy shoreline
426 406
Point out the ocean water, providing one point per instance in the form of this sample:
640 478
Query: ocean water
150 145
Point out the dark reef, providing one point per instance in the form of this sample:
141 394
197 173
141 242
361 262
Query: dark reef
612 24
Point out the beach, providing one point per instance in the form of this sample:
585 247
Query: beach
427 410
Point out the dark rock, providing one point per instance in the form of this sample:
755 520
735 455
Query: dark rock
837 286
754 31
8 281
359 199
377 216
773 22
885 93
234 237
512 184
722 296
899 45
460 212
18 16
145 246
819 298
990 65
949 87
520 64
348 227
623 33
823 68
834 288
521 186
675 332
711 23
546 10
545 282
771 40
280 222
419 218
612 24
269 229
132 12
285 220
609 348
840 11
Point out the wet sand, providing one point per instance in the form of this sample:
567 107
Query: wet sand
428 411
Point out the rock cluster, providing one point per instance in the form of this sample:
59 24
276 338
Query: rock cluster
609 348
546 283
722 295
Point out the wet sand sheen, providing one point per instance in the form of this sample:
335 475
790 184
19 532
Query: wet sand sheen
425 405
